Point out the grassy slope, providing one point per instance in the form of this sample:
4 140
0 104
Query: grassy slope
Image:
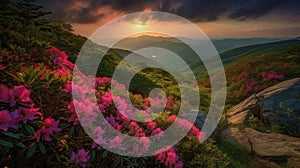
231 56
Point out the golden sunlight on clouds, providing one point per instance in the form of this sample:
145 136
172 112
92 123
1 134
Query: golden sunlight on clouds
223 28
255 28
138 25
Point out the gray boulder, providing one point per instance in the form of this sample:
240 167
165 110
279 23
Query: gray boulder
267 106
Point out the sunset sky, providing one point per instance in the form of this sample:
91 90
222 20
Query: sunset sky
217 18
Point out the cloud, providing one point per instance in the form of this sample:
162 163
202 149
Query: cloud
91 11
255 10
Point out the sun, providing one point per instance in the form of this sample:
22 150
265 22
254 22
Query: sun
139 25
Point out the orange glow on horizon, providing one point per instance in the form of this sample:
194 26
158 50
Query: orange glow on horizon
147 10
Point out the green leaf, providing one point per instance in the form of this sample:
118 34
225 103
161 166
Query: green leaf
32 150
15 76
29 129
93 154
37 86
6 144
20 144
57 157
71 131
50 77
42 148
24 105
104 154
12 135
27 79
35 122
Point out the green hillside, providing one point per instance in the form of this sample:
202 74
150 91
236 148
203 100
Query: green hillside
226 44
254 50
255 68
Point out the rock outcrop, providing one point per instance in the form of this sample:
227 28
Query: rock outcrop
264 144
271 107
266 105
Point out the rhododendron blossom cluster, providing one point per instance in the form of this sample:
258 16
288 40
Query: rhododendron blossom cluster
15 98
50 126
82 110
253 84
169 157
81 158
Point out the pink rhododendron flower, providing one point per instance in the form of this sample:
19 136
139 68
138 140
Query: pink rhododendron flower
61 59
172 118
146 103
2 67
157 131
54 51
105 101
179 164
197 133
62 71
73 118
98 131
85 110
107 98
168 157
158 102
249 87
272 75
4 94
50 126
24 114
7 121
124 119
96 146
185 123
151 125
171 158
263 74
111 120
120 104
114 143
134 125
68 87
21 94
81 158
121 86
161 157
70 65
169 104
139 133
145 143
142 147
102 81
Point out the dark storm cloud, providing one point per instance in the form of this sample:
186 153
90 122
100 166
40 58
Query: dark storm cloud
255 10
91 11
73 11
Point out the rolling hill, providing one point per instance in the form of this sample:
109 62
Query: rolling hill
231 56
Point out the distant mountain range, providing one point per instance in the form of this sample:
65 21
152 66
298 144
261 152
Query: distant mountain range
220 44
229 49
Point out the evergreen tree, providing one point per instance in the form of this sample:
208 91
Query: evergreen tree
8 14
30 14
